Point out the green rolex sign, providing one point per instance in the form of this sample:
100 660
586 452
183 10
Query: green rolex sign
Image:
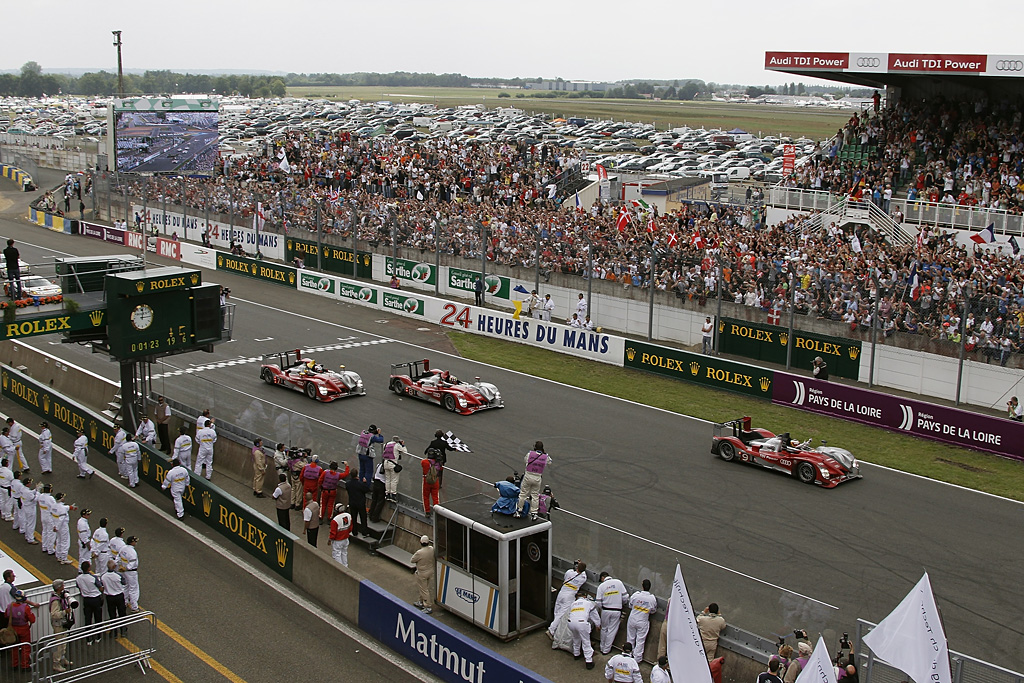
694 367
769 344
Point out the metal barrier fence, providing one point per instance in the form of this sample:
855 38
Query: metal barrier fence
943 216
964 668
89 650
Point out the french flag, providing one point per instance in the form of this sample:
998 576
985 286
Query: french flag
986 236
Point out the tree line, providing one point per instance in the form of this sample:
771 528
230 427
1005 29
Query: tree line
32 82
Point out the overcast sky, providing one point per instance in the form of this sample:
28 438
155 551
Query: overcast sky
599 40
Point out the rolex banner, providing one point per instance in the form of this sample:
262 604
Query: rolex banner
259 269
248 529
768 344
332 258
694 367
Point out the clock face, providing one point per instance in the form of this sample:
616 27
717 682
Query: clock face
142 317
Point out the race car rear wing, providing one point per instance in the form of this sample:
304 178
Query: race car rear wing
285 359
414 369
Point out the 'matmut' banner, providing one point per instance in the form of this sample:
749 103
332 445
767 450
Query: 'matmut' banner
939 423
332 259
261 270
694 367
465 280
769 343
428 643
424 273
256 534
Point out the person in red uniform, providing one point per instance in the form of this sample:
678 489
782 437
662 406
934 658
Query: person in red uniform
310 478
20 617
329 480
431 479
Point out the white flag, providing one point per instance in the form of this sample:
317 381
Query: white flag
258 219
819 668
686 655
911 638
855 244
283 161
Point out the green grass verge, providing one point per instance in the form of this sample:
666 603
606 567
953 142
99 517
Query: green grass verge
757 119
981 471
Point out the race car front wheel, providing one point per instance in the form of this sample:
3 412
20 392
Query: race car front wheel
727 451
449 402
805 472
311 390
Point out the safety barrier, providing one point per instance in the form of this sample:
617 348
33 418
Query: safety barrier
16 174
245 527
52 221
964 668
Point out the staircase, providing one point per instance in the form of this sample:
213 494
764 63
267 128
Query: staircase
113 409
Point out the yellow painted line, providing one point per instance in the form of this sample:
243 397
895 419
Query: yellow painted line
160 669
128 645
207 659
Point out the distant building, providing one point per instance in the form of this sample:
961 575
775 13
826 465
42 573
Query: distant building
574 86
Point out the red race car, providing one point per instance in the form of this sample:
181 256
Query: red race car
418 380
293 371
826 466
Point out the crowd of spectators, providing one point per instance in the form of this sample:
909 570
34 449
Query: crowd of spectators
439 192
967 151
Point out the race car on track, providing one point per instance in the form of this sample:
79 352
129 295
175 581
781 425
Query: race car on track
289 369
826 466
418 380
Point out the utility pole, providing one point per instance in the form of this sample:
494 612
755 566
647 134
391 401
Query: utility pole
120 72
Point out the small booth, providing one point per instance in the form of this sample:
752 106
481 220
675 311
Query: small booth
492 569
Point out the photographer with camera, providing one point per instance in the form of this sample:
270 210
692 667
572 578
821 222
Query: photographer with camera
62 618
846 669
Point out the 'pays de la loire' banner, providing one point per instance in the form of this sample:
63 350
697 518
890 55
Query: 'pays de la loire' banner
904 415
768 344
694 367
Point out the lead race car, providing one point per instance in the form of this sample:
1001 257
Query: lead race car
417 380
293 371
825 466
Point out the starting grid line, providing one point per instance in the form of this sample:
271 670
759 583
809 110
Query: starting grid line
259 359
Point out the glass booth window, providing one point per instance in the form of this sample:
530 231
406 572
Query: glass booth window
451 542
483 557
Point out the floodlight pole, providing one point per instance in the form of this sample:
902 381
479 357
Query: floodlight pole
650 308
966 291
792 310
874 327
120 71
483 255
590 271
437 258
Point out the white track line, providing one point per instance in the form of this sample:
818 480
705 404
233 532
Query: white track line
317 610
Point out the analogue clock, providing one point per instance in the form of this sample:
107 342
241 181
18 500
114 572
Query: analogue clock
142 317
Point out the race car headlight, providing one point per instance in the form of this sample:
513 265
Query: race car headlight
824 472
359 382
322 390
463 402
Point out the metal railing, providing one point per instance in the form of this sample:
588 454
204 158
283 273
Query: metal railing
964 668
96 649
943 216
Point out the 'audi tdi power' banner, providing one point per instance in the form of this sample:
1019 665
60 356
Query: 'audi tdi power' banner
904 415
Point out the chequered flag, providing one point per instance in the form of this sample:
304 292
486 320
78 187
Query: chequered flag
455 443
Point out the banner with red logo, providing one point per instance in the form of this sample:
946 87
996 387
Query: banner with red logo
788 159
168 248
938 63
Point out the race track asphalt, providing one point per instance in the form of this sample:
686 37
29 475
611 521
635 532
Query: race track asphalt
639 487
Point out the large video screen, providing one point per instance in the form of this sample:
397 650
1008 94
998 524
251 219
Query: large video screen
165 136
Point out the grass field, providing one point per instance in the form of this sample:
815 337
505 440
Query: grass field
757 119
999 476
